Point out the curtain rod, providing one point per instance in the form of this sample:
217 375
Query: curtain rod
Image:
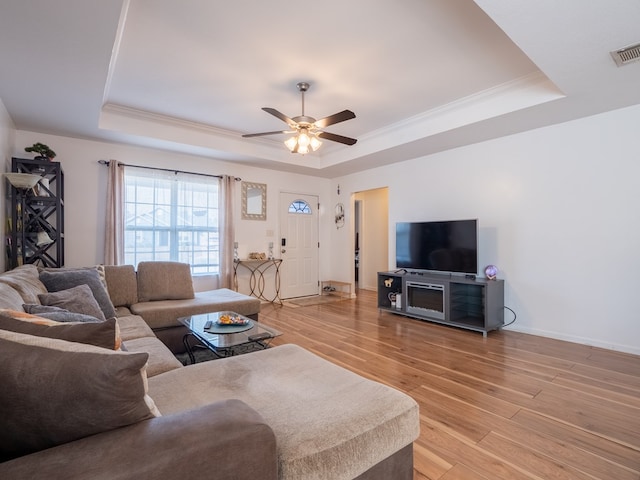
120 164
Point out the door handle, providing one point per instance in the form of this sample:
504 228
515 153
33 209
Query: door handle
283 251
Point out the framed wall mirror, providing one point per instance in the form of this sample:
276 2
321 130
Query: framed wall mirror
254 201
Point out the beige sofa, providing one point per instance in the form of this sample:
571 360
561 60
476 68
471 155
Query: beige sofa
161 292
279 413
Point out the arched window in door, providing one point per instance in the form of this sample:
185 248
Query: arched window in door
300 206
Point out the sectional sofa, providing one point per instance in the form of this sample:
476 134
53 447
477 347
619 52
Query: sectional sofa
100 396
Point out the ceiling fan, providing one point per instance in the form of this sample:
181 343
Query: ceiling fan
308 130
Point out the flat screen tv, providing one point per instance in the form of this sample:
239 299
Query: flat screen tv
445 246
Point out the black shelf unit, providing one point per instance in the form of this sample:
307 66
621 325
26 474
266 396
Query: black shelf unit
36 228
388 285
472 303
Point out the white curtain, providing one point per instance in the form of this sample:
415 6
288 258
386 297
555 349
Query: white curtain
114 226
226 229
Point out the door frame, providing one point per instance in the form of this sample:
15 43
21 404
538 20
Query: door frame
317 230
365 230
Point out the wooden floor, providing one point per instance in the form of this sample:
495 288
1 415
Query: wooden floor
509 406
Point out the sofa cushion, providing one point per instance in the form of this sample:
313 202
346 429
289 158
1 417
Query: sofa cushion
76 299
122 284
101 334
164 281
160 357
134 326
329 422
58 314
25 280
56 391
63 279
123 311
164 313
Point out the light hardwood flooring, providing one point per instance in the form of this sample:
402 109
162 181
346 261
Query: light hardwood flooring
509 406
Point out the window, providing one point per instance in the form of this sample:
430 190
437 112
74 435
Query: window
172 217
300 206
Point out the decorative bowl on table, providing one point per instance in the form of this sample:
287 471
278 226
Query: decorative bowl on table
228 319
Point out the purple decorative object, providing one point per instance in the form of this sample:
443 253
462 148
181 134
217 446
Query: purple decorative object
491 272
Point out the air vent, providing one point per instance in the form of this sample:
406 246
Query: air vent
626 55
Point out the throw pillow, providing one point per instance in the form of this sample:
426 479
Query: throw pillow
36 308
25 280
122 284
55 392
99 268
9 297
58 314
65 279
77 299
164 281
102 276
101 334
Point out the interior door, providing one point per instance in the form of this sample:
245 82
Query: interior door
298 245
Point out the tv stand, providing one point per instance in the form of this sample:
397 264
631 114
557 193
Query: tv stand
472 303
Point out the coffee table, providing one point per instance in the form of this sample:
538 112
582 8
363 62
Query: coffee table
226 340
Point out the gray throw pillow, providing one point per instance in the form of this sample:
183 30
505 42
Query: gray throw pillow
56 391
77 299
58 314
36 308
65 279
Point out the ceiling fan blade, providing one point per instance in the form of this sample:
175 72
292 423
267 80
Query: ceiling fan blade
249 135
335 118
337 138
280 115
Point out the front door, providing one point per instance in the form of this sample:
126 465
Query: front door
298 245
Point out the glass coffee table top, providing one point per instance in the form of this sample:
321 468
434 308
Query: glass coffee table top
227 339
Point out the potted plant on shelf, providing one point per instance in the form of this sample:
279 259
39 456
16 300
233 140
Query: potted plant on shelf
43 151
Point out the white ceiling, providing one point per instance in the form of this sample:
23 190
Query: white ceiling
421 75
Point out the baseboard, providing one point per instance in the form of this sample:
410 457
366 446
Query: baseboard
574 339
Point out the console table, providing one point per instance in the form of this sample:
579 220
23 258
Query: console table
257 270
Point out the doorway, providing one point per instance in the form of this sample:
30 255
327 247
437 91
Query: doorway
371 236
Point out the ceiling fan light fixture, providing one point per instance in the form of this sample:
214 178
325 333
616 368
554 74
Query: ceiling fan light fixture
303 142
303 149
303 138
291 143
315 143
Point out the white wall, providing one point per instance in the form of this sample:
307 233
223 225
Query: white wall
7 136
559 213
85 193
